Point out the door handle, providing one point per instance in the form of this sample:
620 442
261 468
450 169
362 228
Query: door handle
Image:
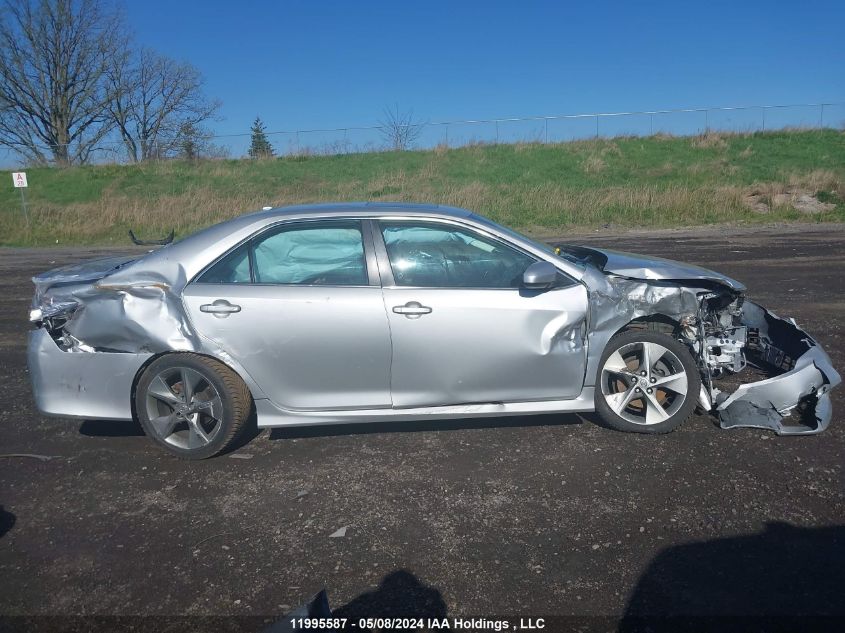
220 308
412 309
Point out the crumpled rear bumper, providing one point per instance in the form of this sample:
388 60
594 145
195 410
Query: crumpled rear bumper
90 385
793 403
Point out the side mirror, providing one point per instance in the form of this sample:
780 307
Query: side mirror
539 276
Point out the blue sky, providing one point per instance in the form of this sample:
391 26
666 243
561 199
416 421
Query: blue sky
303 64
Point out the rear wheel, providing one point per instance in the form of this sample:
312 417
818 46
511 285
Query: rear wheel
647 383
193 406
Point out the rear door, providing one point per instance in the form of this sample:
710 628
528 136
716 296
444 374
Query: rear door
463 329
300 307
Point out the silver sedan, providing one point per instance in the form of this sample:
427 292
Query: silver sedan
388 312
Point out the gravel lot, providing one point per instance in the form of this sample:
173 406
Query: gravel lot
549 515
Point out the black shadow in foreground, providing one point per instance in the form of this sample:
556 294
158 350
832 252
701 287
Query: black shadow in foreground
7 521
400 595
785 578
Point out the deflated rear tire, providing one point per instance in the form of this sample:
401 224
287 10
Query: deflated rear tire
193 406
647 383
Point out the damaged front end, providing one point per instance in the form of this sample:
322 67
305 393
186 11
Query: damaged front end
731 338
734 339
795 399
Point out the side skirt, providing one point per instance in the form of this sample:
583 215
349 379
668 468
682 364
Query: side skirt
269 415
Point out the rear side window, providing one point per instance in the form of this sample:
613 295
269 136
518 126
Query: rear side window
232 269
313 253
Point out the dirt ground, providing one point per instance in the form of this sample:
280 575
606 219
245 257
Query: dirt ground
549 515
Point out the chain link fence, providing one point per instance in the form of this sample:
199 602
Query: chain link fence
533 129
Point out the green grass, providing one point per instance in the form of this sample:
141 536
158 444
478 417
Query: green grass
543 189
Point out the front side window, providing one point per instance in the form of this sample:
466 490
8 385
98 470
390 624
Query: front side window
314 253
444 256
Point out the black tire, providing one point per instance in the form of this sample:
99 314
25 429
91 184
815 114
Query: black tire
614 386
220 424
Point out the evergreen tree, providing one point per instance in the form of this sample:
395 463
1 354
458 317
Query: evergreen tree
188 146
260 146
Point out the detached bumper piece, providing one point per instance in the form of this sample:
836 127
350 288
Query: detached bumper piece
796 402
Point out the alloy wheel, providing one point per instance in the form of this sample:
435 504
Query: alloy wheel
644 383
184 407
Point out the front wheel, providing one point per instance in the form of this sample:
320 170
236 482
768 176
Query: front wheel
647 383
192 406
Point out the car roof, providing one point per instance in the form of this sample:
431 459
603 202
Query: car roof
180 261
331 208
176 264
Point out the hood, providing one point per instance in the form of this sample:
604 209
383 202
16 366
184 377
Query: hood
643 266
81 273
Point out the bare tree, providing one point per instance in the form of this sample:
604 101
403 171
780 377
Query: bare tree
399 129
155 100
53 94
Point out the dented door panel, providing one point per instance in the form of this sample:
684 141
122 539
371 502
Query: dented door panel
486 345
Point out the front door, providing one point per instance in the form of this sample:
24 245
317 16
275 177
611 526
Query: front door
463 329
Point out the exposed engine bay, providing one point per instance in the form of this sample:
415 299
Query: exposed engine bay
724 336
757 369
741 339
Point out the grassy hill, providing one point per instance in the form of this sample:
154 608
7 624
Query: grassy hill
657 181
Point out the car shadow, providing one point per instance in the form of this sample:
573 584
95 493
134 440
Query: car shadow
111 428
784 578
7 521
131 428
416 426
